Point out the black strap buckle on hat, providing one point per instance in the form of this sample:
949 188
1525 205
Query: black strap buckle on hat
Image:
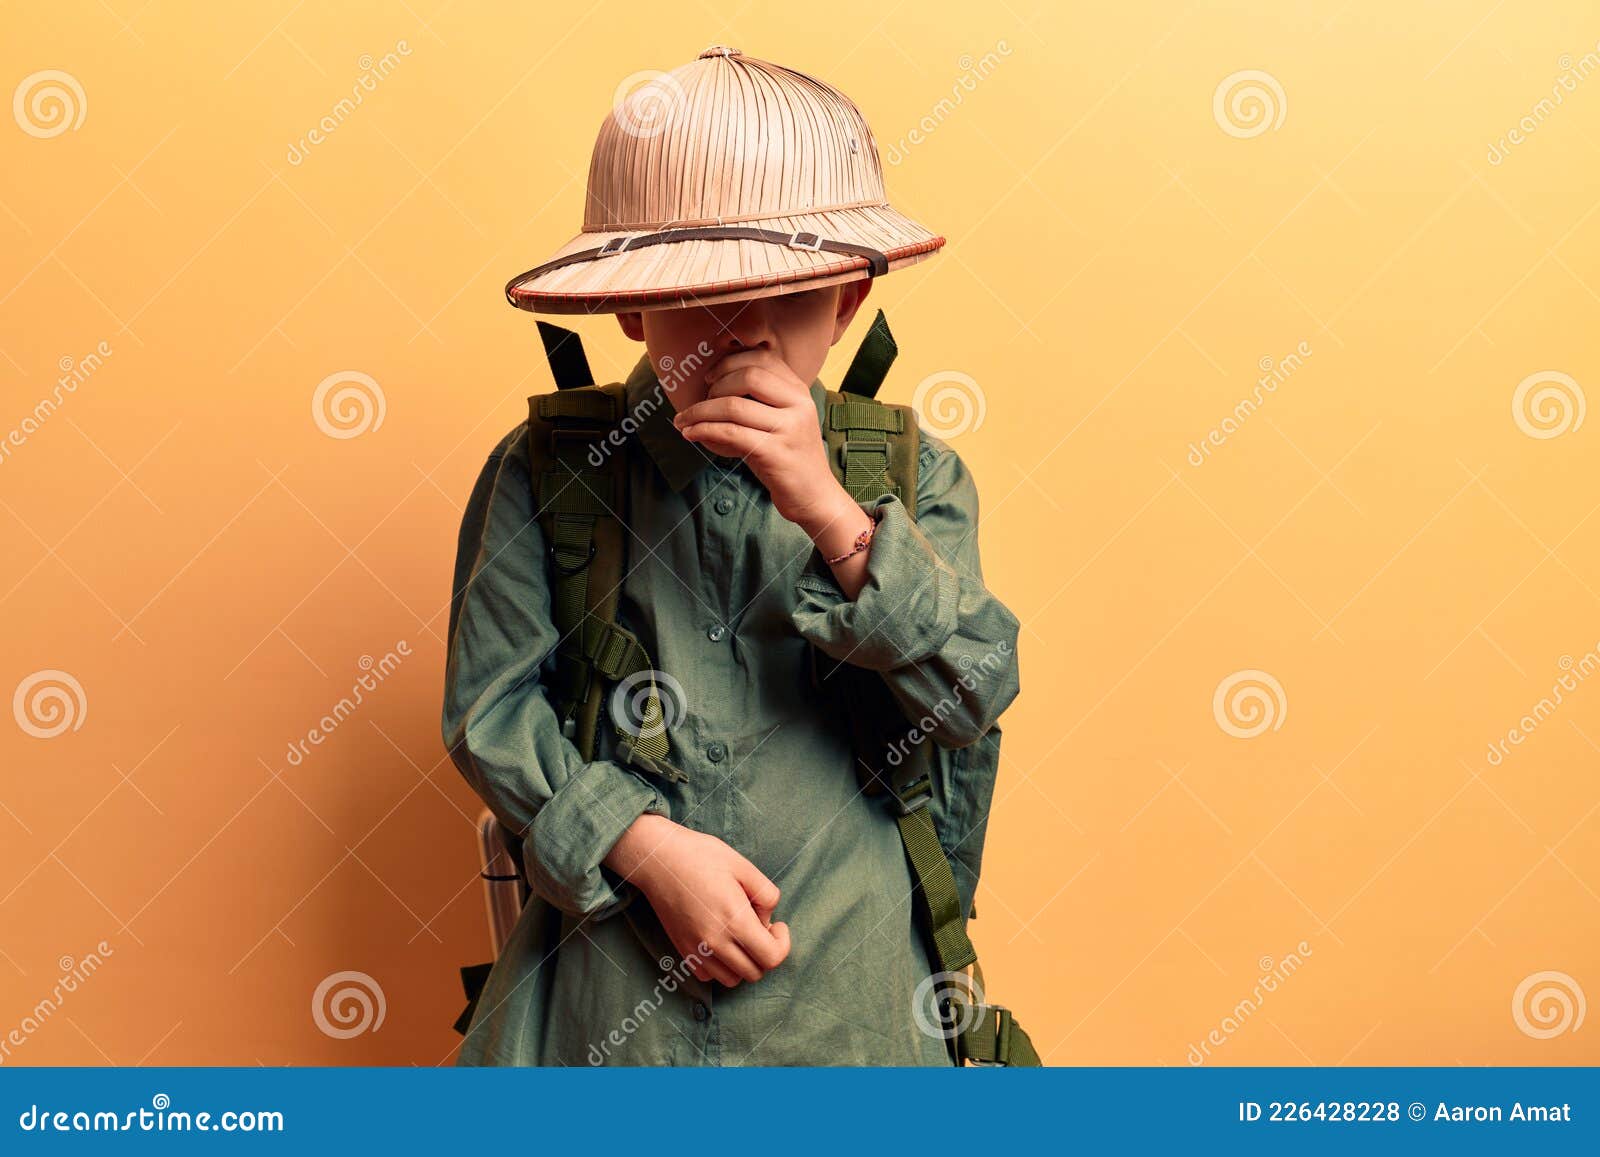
877 261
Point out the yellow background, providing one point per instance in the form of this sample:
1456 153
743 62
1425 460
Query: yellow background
1383 537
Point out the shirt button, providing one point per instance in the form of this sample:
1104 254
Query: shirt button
724 504
716 750
701 1011
715 633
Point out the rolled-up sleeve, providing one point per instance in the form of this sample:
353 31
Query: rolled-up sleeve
500 729
924 619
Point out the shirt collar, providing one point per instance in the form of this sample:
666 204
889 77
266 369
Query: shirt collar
680 460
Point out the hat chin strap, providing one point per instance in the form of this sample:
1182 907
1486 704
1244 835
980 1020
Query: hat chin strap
877 261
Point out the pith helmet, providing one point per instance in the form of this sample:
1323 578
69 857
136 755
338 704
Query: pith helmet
726 179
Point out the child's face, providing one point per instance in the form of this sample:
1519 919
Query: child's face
799 327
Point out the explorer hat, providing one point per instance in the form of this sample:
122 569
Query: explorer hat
726 179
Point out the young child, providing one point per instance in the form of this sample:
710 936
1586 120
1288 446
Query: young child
739 899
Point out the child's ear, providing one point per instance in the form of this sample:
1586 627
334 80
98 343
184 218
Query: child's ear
851 295
632 324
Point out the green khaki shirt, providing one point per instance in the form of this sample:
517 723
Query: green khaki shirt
726 595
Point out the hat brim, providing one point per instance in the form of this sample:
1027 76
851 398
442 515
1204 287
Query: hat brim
674 275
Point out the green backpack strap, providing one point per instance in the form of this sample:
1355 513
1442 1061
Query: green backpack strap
579 502
872 361
579 479
874 448
982 1033
564 350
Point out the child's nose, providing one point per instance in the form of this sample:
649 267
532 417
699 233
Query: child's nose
747 325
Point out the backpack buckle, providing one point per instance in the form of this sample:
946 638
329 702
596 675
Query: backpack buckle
864 448
913 796
612 649
1002 1037
814 245
866 466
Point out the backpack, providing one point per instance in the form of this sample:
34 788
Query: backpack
874 448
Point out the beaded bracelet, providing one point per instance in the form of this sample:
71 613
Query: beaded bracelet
862 540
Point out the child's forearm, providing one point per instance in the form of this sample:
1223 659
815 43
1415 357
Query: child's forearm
634 854
834 528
